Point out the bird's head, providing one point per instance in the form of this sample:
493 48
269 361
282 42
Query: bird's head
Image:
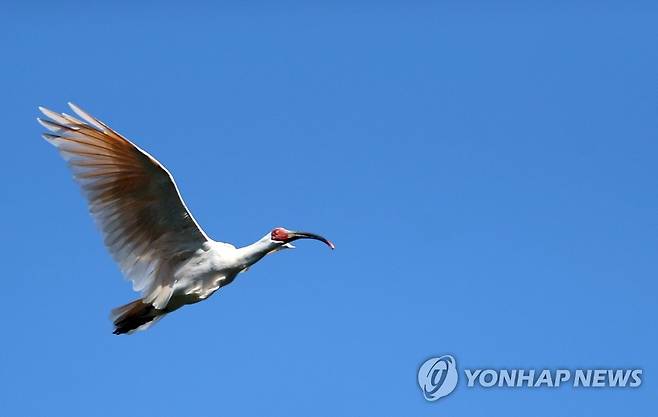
285 236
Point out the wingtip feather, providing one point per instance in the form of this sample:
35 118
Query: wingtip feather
87 117
43 123
50 139
59 118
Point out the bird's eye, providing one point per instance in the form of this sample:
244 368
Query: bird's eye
279 234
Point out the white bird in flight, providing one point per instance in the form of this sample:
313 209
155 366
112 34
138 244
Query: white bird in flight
147 227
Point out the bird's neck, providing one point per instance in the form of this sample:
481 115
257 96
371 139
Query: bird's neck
253 253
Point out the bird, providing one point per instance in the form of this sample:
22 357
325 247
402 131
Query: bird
146 225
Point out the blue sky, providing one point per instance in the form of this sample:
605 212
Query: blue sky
487 172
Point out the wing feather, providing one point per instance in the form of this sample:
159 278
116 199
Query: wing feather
133 198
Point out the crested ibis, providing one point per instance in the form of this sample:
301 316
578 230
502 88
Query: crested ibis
146 226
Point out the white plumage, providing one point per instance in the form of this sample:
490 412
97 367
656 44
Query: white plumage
146 226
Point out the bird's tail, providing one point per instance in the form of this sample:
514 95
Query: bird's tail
134 316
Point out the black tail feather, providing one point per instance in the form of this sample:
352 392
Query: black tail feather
131 316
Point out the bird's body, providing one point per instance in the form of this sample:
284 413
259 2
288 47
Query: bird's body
147 227
209 268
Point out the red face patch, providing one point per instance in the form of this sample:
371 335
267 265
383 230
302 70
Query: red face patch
279 234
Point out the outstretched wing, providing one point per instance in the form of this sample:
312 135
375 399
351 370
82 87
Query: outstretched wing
132 197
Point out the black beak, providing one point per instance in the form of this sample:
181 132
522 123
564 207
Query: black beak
305 235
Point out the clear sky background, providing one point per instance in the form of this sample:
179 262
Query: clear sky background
487 172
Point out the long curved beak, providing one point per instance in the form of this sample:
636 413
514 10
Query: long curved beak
306 235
